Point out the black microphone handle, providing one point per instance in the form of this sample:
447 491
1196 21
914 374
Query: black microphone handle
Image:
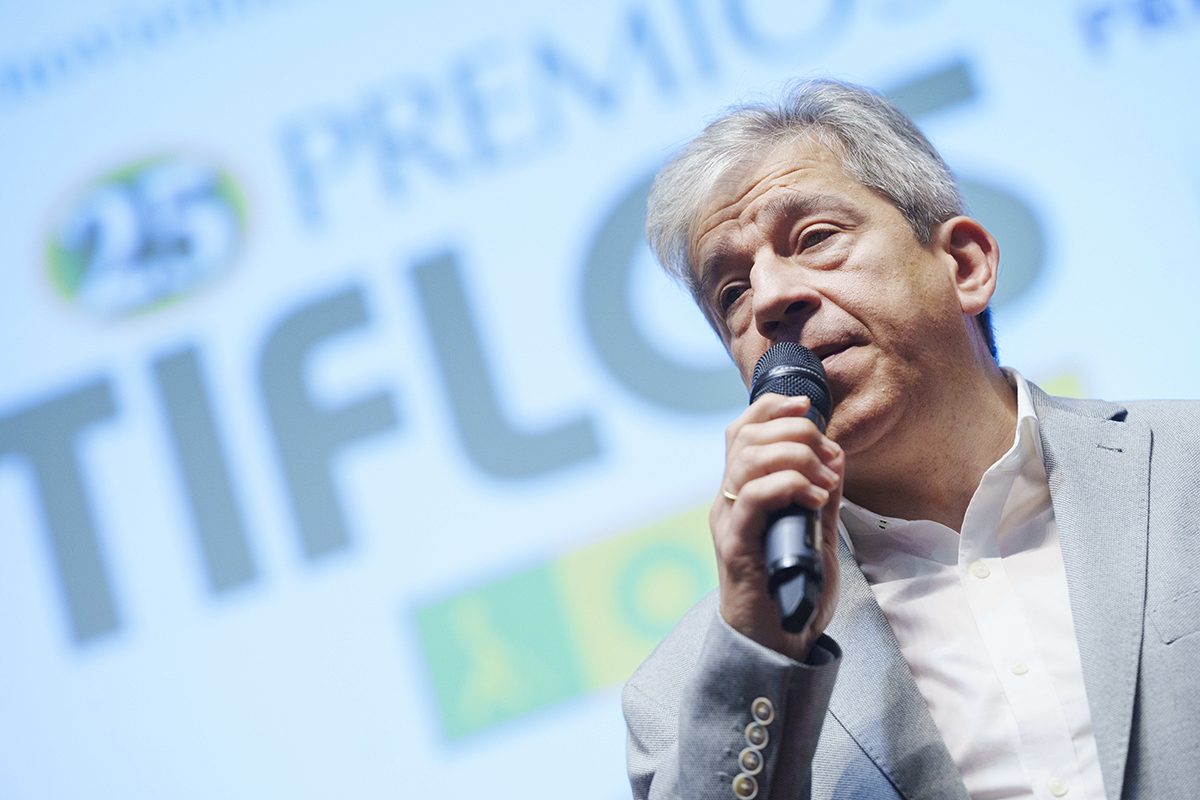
793 547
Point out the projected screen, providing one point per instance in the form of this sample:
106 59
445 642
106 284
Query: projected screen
351 443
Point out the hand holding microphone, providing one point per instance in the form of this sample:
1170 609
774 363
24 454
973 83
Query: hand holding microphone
793 542
775 523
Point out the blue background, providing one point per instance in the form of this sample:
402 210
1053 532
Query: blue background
307 680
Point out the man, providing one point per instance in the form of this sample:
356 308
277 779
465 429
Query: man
1010 605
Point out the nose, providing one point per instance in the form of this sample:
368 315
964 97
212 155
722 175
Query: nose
783 299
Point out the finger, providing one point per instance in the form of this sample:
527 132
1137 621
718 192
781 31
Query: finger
780 429
768 407
774 405
748 463
830 512
773 492
738 537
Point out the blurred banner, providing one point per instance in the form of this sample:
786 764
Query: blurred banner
351 445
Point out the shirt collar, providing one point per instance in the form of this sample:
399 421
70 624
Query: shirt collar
1028 430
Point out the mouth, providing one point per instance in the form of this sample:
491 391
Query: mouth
829 350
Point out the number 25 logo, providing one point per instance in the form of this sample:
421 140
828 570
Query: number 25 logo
146 234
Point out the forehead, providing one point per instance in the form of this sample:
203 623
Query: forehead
788 180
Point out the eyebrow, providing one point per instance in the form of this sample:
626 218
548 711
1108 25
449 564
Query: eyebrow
787 206
711 268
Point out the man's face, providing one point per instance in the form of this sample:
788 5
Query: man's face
796 250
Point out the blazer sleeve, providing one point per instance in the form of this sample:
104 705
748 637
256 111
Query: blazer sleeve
712 715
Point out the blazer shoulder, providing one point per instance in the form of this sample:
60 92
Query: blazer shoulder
1169 431
1157 414
1182 415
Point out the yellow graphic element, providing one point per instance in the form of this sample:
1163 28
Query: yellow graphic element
623 595
1064 385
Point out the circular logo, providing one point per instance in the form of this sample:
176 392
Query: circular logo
658 585
145 235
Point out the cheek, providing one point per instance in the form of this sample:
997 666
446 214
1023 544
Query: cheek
902 310
744 358
740 319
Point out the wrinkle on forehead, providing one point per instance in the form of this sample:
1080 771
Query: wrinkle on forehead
739 188
788 203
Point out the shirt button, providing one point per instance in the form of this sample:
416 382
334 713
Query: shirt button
745 787
1019 667
1057 786
980 570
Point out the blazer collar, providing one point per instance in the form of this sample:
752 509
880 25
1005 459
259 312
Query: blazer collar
1098 467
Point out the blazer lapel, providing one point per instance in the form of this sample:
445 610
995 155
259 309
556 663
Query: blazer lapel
1098 467
876 699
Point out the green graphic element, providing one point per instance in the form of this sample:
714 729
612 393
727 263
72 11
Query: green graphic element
142 236
497 652
581 622
625 594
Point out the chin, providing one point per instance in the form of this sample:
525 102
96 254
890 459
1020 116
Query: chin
859 422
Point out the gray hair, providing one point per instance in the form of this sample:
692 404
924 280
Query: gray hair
878 146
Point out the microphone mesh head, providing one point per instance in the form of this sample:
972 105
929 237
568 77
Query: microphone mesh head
792 370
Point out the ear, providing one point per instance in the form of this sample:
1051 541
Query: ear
975 259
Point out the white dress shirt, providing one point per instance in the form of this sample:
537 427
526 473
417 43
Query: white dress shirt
984 621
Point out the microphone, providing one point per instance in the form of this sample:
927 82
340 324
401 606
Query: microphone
793 538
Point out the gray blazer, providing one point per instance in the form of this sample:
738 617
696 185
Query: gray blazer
1125 485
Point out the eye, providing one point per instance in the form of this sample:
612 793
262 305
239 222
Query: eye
813 237
729 296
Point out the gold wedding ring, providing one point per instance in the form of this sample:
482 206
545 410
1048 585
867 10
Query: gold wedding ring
730 496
